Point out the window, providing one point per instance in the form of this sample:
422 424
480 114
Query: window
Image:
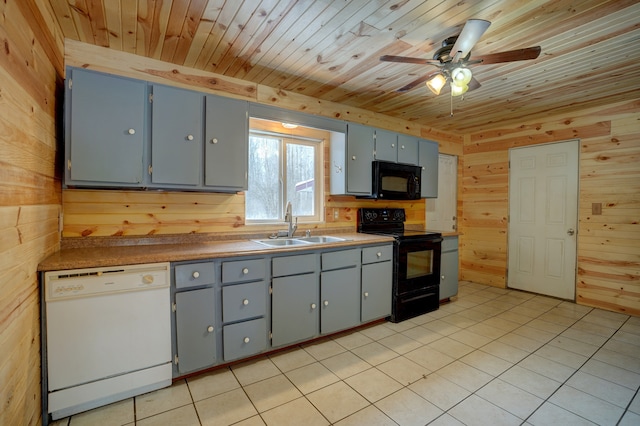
285 165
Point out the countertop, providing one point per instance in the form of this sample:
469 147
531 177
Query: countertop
130 251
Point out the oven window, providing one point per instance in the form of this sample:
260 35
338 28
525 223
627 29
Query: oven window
419 263
394 183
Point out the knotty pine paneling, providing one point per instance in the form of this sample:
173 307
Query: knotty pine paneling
31 65
608 270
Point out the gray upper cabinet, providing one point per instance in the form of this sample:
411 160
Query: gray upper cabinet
226 143
360 147
396 147
408 149
428 154
105 130
176 136
386 146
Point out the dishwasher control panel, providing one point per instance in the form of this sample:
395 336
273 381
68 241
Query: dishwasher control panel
94 281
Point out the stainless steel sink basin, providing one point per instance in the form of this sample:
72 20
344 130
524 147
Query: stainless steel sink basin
282 242
322 239
286 242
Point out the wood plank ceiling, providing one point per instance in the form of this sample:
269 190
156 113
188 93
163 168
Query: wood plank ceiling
330 49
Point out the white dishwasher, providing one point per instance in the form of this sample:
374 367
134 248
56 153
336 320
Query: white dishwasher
108 335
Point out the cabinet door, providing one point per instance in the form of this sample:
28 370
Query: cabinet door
339 299
376 290
428 152
226 142
176 136
449 268
294 309
105 138
408 149
244 339
360 144
195 337
386 146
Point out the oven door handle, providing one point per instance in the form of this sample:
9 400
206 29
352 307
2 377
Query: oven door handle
422 296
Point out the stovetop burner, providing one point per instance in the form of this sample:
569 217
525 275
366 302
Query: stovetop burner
389 221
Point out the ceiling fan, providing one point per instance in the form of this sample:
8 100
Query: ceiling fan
454 57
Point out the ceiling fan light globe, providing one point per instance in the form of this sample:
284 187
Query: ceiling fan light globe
436 83
458 89
461 76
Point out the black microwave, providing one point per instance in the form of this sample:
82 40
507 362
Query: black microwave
395 181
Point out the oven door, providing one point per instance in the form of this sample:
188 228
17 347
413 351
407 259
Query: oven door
418 264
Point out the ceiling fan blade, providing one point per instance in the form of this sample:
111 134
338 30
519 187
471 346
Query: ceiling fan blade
474 84
510 56
414 83
471 33
408 60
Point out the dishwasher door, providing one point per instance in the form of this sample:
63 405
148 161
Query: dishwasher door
108 333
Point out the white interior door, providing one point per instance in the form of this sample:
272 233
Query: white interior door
543 214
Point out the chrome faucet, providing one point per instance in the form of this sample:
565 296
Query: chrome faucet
288 217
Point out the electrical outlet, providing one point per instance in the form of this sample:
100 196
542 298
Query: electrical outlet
336 214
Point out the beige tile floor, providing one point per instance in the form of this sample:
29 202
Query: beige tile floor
490 357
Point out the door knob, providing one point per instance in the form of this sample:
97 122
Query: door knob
571 231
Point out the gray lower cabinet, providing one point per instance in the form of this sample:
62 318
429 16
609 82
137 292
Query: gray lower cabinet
377 279
195 329
294 308
449 268
105 129
339 290
176 136
244 308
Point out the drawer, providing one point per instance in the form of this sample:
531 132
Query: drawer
242 301
243 270
377 254
244 339
340 259
195 274
293 265
450 244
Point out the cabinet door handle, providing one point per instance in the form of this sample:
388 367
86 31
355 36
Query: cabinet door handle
393 145
210 329
245 271
326 303
246 340
313 306
402 147
214 140
442 277
366 294
195 274
353 158
131 131
189 137
245 302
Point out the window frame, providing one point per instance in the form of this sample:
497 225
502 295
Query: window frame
283 140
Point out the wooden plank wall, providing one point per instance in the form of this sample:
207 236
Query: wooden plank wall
107 213
608 274
31 64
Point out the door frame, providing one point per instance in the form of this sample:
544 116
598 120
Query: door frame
577 218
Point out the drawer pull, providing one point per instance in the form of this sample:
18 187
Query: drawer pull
245 302
245 271
210 329
246 340
379 254
195 274
326 303
366 294
214 140
131 131
313 306
189 137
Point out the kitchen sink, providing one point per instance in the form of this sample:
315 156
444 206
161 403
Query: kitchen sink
286 242
322 239
282 242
